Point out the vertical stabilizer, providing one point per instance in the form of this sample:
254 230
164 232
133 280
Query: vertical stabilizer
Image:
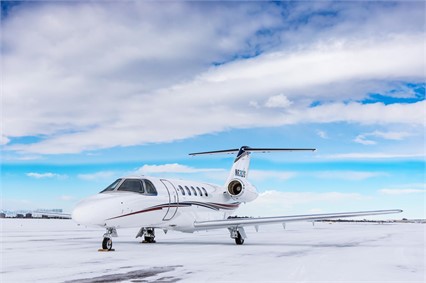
241 164
240 168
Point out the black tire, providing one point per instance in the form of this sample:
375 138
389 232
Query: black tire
107 244
239 240
149 240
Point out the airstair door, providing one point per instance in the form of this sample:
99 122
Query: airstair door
173 200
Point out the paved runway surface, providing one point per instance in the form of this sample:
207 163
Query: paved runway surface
36 250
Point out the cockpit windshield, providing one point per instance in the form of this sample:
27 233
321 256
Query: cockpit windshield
132 185
112 187
141 186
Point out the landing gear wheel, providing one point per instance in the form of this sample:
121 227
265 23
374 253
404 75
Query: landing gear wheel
107 244
148 240
239 240
149 235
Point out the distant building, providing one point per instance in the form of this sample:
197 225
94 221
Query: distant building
28 215
55 210
19 215
2 215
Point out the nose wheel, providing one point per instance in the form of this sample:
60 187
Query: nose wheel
107 241
107 244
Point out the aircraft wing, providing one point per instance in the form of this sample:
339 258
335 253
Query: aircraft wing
242 222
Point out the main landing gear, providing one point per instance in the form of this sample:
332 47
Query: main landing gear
107 242
238 234
148 235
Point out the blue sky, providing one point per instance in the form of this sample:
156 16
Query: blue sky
94 91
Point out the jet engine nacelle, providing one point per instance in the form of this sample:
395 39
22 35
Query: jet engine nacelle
241 190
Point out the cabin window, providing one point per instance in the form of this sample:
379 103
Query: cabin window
193 190
205 192
112 187
149 188
199 191
132 185
188 191
182 191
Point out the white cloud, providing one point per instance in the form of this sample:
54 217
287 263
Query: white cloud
274 202
130 67
405 189
308 197
173 168
373 155
97 176
316 210
362 139
278 101
368 114
401 191
217 175
259 175
46 175
66 198
4 140
391 135
322 134
349 175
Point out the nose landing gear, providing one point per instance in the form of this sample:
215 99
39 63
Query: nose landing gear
107 241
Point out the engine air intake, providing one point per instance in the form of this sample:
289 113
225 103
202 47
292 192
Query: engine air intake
235 188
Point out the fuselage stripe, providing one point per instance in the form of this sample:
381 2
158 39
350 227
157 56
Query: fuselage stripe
213 206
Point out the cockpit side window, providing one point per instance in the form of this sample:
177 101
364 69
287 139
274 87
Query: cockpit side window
112 187
132 185
149 188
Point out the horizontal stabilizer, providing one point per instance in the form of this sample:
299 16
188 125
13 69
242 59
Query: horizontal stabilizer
226 151
250 149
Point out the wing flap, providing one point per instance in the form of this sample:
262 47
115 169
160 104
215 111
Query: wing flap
241 222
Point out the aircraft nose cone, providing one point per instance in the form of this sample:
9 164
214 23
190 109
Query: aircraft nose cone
78 214
83 214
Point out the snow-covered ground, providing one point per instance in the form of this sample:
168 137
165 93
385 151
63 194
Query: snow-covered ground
60 251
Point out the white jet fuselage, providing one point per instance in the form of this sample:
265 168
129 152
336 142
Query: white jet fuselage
176 205
187 206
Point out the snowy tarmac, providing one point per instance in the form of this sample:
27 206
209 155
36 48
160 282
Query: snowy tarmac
39 250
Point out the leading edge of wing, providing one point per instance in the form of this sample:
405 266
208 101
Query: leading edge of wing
241 222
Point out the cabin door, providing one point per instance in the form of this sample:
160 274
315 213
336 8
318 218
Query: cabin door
173 200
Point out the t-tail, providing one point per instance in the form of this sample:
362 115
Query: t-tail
236 184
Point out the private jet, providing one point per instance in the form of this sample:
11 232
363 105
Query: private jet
151 203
